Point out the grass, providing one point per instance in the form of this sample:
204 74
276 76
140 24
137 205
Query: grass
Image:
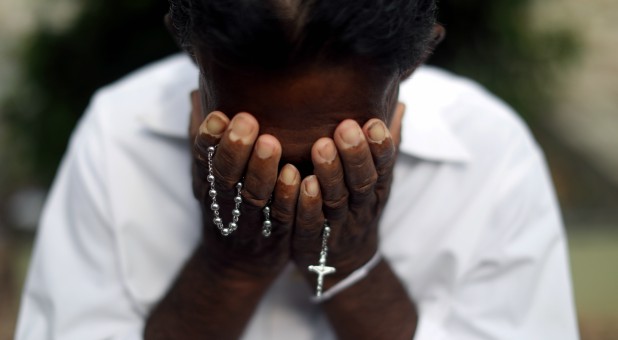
594 264
594 261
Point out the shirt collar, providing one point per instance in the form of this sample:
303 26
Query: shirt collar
169 112
425 134
431 95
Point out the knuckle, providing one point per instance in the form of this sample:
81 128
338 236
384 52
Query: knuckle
337 203
306 234
384 173
384 183
384 165
303 221
200 161
223 176
335 215
251 198
365 187
282 215
199 147
306 221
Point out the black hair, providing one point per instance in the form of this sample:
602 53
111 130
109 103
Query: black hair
273 34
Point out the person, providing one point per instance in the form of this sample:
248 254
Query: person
290 197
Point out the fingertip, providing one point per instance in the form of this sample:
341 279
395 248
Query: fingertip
376 131
311 187
244 128
267 146
289 175
349 134
214 125
324 151
246 117
272 141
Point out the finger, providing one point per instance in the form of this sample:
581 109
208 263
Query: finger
284 201
382 149
395 126
234 150
262 171
360 173
203 133
329 171
309 217
209 133
210 130
196 118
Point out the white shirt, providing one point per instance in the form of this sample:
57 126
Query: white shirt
472 228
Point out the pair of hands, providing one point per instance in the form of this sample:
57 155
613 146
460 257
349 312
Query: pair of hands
350 186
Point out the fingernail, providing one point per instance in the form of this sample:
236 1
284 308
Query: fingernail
264 149
288 175
351 134
311 186
327 152
240 128
377 132
214 125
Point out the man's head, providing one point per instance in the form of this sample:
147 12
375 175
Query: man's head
300 67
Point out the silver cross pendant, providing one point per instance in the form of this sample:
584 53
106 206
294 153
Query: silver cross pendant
322 269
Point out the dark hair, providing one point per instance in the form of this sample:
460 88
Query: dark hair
273 34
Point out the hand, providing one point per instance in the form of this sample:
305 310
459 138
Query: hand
241 153
353 175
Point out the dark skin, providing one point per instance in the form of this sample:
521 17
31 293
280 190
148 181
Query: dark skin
336 122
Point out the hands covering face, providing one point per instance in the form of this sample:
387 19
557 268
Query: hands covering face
350 186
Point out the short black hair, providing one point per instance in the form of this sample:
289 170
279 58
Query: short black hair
274 34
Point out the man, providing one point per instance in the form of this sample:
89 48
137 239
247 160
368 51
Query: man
295 136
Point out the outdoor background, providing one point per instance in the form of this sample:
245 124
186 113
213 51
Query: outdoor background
555 61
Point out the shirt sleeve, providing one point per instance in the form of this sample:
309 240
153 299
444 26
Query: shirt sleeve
74 288
518 284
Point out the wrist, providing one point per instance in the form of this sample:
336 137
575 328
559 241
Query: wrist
207 300
384 311
235 272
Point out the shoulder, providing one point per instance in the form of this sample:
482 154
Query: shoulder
481 123
157 95
152 82
142 121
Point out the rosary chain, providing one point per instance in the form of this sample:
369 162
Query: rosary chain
267 225
214 206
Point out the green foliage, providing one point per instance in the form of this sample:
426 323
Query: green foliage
495 43
488 40
63 69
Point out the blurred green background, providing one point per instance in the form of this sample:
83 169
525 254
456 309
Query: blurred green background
555 61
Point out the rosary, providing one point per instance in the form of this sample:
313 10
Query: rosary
320 269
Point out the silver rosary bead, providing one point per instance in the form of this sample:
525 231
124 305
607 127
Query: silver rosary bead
214 206
267 224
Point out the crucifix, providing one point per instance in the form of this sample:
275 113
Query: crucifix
322 269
